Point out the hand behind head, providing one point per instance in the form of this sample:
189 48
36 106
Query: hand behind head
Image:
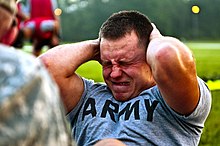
155 32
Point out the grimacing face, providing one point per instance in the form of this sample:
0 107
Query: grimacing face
125 69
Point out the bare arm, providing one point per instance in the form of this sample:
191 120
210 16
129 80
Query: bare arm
174 71
62 62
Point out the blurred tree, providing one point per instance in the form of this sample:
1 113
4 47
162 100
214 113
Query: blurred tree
81 19
208 19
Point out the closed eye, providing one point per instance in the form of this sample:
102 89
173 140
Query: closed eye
123 63
106 63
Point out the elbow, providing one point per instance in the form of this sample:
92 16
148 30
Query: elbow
174 54
162 63
165 54
171 59
45 59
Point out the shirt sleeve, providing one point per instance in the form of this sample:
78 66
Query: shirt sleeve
72 114
201 112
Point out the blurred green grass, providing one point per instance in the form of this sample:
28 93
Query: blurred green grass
211 131
91 70
207 57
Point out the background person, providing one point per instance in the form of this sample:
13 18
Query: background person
21 17
31 110
152 94
43 26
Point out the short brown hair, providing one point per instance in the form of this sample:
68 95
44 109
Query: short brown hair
9 5
123 22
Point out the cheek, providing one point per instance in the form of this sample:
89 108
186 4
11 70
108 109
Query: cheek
106 72
136 73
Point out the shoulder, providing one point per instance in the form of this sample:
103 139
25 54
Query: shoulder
27 95
91 85
20 70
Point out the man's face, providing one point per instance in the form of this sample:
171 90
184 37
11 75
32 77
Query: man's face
125 69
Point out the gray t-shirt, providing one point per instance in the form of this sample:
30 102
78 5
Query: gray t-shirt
144 120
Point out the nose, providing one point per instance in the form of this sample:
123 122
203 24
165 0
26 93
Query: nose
116 71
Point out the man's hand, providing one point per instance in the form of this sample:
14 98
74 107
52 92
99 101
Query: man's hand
155 32
96 55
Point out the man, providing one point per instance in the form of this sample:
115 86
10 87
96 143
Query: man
152 94
43 25
21 17
31 111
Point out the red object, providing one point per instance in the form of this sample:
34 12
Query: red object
41 10
10 36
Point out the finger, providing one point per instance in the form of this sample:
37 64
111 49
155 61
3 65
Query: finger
155 32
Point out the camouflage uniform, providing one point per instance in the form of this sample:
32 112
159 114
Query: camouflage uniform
31 111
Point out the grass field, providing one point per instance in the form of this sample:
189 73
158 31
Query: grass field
211 132
208 67
207 59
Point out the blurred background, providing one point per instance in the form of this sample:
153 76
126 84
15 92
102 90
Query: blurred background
195 22
185 19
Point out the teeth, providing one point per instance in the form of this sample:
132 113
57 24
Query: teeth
123 84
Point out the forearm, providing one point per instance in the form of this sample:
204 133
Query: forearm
63 60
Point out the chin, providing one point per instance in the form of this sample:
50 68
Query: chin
121 98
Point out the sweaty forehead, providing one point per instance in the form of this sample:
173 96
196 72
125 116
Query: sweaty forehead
127 48
128 41
123 48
